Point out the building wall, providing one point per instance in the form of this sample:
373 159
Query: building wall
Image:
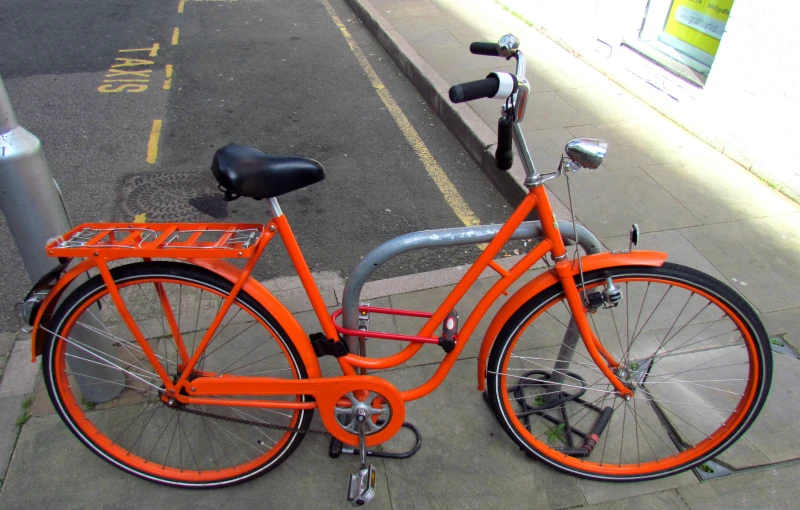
750 106
752 90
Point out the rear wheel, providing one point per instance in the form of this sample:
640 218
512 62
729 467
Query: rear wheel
109 394
692 350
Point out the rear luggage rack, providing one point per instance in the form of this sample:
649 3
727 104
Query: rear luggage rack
215 240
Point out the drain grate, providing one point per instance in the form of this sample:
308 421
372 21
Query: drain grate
712 469
185 196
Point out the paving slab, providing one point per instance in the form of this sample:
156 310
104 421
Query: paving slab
602 492
7 340
774 430
49 457
785 323
549 110
466 460
19 376
609 202
289 290
670 500
716 190
679 249
41 405
605 103
10 411
547 78
642 142
774 487
759 256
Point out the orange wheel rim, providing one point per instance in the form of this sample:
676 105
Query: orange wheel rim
699 450
124 456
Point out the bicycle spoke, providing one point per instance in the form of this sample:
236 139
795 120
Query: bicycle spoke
530 359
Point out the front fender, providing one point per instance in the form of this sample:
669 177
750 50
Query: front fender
549 278
226 270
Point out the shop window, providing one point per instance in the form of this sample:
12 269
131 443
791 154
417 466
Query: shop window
683 35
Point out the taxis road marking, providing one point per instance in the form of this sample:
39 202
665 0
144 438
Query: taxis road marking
450 193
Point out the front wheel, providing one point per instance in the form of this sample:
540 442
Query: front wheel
693 352
111 396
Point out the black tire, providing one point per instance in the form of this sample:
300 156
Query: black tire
531 407
209 451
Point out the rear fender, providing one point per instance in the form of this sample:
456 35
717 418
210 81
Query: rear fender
549 278
49 303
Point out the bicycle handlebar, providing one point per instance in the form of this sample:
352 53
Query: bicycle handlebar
501 85
477 89
504 155
484 48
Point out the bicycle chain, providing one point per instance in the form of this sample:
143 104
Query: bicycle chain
251 422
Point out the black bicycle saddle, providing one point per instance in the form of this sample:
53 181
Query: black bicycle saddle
243 171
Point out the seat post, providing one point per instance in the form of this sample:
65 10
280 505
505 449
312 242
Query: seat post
275 208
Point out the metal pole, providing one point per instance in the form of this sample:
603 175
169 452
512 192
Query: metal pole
35 213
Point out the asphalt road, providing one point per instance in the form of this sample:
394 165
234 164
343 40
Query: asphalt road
277 75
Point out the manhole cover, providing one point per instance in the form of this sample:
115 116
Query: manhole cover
186 197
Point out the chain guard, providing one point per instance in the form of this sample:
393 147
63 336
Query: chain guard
328 392
361 386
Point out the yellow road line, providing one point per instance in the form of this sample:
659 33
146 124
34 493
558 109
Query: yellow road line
451 195
152 144
180 6
168 81
175 33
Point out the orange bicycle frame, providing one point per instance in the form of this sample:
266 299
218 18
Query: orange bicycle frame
207 253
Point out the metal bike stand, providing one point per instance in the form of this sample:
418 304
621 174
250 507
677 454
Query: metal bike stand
440 238
337 448
351 317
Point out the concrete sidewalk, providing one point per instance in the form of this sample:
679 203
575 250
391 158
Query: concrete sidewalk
466 460
688 199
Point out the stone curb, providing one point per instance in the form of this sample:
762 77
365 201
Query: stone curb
474 134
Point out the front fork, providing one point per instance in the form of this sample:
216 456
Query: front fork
604 360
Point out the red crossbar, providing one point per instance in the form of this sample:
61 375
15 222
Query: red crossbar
386 336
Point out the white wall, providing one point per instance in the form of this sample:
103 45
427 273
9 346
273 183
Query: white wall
753 90
750 106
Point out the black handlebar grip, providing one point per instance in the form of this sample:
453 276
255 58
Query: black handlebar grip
504 155
478 89
484 48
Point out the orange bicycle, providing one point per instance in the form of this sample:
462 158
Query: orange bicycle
182 369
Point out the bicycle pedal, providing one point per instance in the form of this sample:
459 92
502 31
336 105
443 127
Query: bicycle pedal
362 486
